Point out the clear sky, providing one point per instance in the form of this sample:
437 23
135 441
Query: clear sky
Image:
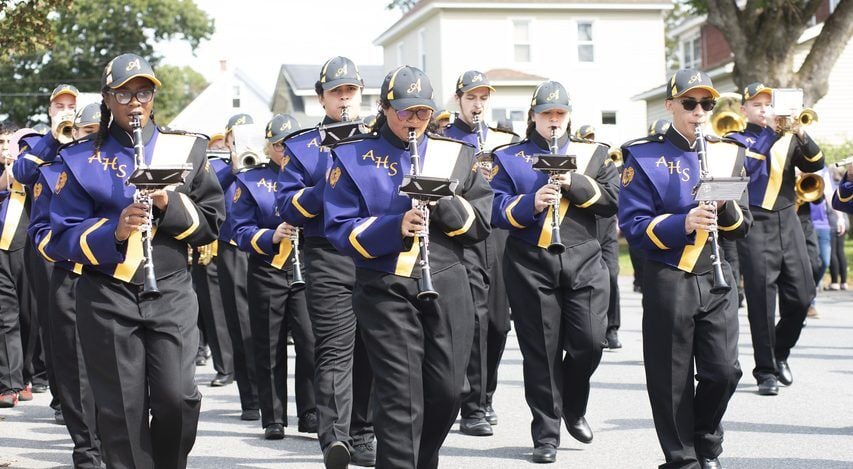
259 35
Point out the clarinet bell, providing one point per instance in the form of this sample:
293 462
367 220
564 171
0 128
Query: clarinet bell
150 292
425 290
556 248
298 283
720 284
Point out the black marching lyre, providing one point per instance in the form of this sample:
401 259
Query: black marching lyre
555 165
424 190
147 179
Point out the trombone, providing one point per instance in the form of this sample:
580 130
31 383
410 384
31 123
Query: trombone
844 163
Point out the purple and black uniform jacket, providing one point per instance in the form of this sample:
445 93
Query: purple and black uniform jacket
594 191
658 179
36 150
364 210
842 199
770 161
90 194
228 182
39 229
255 216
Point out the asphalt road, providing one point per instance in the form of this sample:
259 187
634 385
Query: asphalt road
807 426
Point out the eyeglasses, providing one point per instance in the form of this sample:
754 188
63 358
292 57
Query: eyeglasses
125 96
278 146
422 114
690 104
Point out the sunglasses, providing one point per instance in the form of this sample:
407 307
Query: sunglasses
278 146
422 114
690 104
125 96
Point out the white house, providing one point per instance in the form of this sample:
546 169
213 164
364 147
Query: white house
603 52
232 92
703 46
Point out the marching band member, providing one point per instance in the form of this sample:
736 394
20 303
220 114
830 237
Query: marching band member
842 199
71 381
231 267
559 302
276 305
343 380
774 257
417 348
138 353
43 148
483 263
683 320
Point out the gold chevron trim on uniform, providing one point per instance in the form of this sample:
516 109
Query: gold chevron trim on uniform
191 211
353 237
406 260
545 234
595 196
42 245
78 269
509 213
35 159
133 258
650 231
692 251
778 157
736 224
14 210
843 199
284 249
814 158
255 239
305 213
84 243
757 156
468 221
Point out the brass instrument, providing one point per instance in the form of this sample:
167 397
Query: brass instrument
141 196
62 126
249 144
206 253
720 284
844 163
484 158
789 111
809 188
727 117
615 155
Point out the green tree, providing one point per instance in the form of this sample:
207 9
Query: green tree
24 26
764 35
180 86
85 37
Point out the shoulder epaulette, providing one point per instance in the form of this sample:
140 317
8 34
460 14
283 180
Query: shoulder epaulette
495 129
168 130
715 139
31 134
433 136
501 147
356 138
299 132
87 138
655 138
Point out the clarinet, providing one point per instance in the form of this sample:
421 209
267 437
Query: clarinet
345 114
556 246
297 281
720 284
425 288
149 288
484 159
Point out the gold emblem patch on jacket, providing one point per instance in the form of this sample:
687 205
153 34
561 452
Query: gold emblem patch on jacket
627 176
334 176
60 183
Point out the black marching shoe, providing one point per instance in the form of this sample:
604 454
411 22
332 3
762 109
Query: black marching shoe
709 463
308 422
768 386
39 388
250 414
274 432
579 430
336 456
785 376
201 356
475 427
222 379
58 417
544 454
363 454
612 338
491 415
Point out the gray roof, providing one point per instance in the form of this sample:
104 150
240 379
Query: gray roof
302 77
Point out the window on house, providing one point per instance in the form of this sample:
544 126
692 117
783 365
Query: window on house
235 97
422 49
691 53
586 49
521 40
608 117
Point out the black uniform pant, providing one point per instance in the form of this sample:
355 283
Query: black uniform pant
638 261
837 259
273 309
212 314
610 255
730 254
418 351
559 306
474 401
231 267
498 306
140 359
683 323
72 383
343 380
774 258
36 327
13 287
